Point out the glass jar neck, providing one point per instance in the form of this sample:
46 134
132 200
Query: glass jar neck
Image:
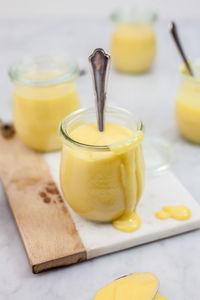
186 78
43 71
134 16
87 116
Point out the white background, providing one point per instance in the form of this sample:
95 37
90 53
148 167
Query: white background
178 9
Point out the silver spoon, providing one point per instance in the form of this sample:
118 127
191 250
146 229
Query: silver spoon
100 62
156 292
174 33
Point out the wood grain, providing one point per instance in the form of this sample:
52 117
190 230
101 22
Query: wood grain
45 225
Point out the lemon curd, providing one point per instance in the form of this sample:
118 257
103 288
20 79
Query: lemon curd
44 93
102 173
188 106
177 212
137 286
133 42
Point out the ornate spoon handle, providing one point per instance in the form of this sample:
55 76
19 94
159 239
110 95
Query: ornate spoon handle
100 62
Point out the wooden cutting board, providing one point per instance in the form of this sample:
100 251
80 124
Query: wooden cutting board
53 235
45 225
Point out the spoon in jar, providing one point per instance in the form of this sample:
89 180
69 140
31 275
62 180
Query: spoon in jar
100 63
174 33
142 286
155 292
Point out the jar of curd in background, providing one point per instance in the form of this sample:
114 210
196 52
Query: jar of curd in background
188 104
133 41
102 173
44 93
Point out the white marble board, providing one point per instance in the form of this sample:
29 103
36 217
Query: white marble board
162 190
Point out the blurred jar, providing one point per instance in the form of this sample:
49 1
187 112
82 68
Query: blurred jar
188 104
110 178
44 93
133 41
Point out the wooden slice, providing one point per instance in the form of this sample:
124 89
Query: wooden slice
46 227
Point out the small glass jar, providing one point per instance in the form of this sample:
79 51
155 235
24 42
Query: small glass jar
133 41
44 93
188 104
97 182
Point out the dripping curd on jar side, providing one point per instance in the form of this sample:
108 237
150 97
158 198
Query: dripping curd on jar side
109 183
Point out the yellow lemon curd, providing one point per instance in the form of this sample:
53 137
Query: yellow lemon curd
188 108
178 212
44 93
104 185
160 297
137 286
39 110
133 47
128 222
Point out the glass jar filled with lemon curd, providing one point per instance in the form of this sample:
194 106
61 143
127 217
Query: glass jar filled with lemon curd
45 92
133 41
102 173
188 104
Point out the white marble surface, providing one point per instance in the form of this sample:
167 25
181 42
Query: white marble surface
176 261
24 8
159 191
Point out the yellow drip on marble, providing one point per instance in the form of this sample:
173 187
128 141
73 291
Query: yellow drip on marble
160 297
128 222
179 212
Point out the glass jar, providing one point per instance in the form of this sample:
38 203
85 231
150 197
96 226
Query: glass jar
44 93
188 104
133 41
101 182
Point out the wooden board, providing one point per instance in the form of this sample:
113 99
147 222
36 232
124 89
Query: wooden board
54 235
46 227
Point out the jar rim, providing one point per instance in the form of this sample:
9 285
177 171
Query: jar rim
69 70
62 132
195 64
134 15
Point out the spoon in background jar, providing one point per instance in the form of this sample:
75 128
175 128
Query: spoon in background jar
174 33
100 63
